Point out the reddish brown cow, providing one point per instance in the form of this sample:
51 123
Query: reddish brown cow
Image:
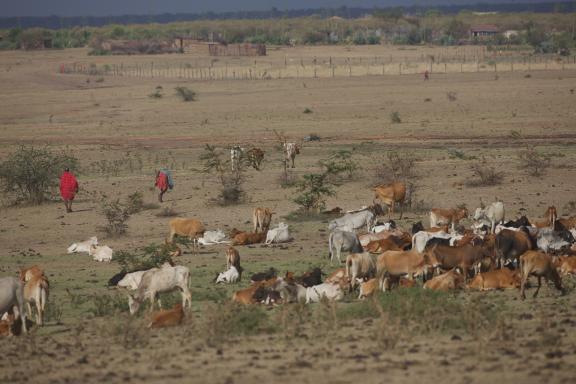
539 264
451 216
247 238
390 194
498 279
167 317
464 257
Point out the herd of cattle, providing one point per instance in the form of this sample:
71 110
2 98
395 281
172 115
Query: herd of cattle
491 254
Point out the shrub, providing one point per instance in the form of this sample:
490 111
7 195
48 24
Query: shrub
395 117
533 162
339 164
307 110
314 189
116 214
32 173
157 94
186 94
451 96
395 166
484 175
135 203
457 154
167 212
231 180
105 305
147 257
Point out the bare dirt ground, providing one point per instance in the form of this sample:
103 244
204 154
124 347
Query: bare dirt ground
108 119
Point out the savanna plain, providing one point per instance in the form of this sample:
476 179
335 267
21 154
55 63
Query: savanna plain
121 136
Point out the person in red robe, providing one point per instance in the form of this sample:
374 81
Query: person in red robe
161 183
68 188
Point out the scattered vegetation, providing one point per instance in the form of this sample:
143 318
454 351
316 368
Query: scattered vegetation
106 305
457 154
484 175
314 189
167 212
534 162
231 180
395 117
339 165
117 214
395 166
307 110
147 257
158 93
451 96
185 93
31 174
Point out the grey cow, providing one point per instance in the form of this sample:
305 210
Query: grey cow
11 295
339 241
352 221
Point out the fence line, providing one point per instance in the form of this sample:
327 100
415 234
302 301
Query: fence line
326 68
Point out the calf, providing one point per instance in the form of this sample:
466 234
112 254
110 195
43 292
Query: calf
247 238
12 295
167 317
368 288
101 253
6 325
447 216
539 264
360 266
498 279
229 276
83 246
448 281
36 291
331 292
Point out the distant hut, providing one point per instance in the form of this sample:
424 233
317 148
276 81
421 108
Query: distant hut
483 31
218 49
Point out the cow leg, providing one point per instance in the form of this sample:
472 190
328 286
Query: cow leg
401 205
539 285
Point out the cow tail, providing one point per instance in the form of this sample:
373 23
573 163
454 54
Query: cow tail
330 245
348 262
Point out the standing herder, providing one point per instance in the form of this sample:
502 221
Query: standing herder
68 188
163 182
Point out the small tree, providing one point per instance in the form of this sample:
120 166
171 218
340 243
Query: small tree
339 164
314 188
535 163
32 173
116 214
231 178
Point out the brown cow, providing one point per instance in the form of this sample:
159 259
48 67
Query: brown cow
6 325
448 281
30 273
368 288
246 295
439 216
567 265
336 276
498 279
233 259
400 263
539 264
465 257
167 317
262 217
368 237
379 246
191 228
390 194
255 157
247 238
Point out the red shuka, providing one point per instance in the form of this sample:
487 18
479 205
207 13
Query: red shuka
162 181
68 186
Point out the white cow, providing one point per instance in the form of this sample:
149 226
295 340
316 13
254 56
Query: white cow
420 239
101 253
279 234
158 280
352 221
83 246
213 237
332 292
493 214
131 280
229 276
12 297
547 240
235 156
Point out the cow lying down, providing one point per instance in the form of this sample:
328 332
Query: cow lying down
231 275
83 246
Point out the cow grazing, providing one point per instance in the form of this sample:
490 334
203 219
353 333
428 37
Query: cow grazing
445 282
262 218
279 234
158 280
352 221
247 238
390 195
190 228
360 266
539 264
493 214
550 217
290 152
498 279
83 246
36 291
131 280
167 317
263 276
213 237
12 296
255 157
331 292
339 241
231 275
101 253
439 216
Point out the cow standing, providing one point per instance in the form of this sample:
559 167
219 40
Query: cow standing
290 152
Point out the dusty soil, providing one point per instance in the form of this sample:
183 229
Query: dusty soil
112 118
